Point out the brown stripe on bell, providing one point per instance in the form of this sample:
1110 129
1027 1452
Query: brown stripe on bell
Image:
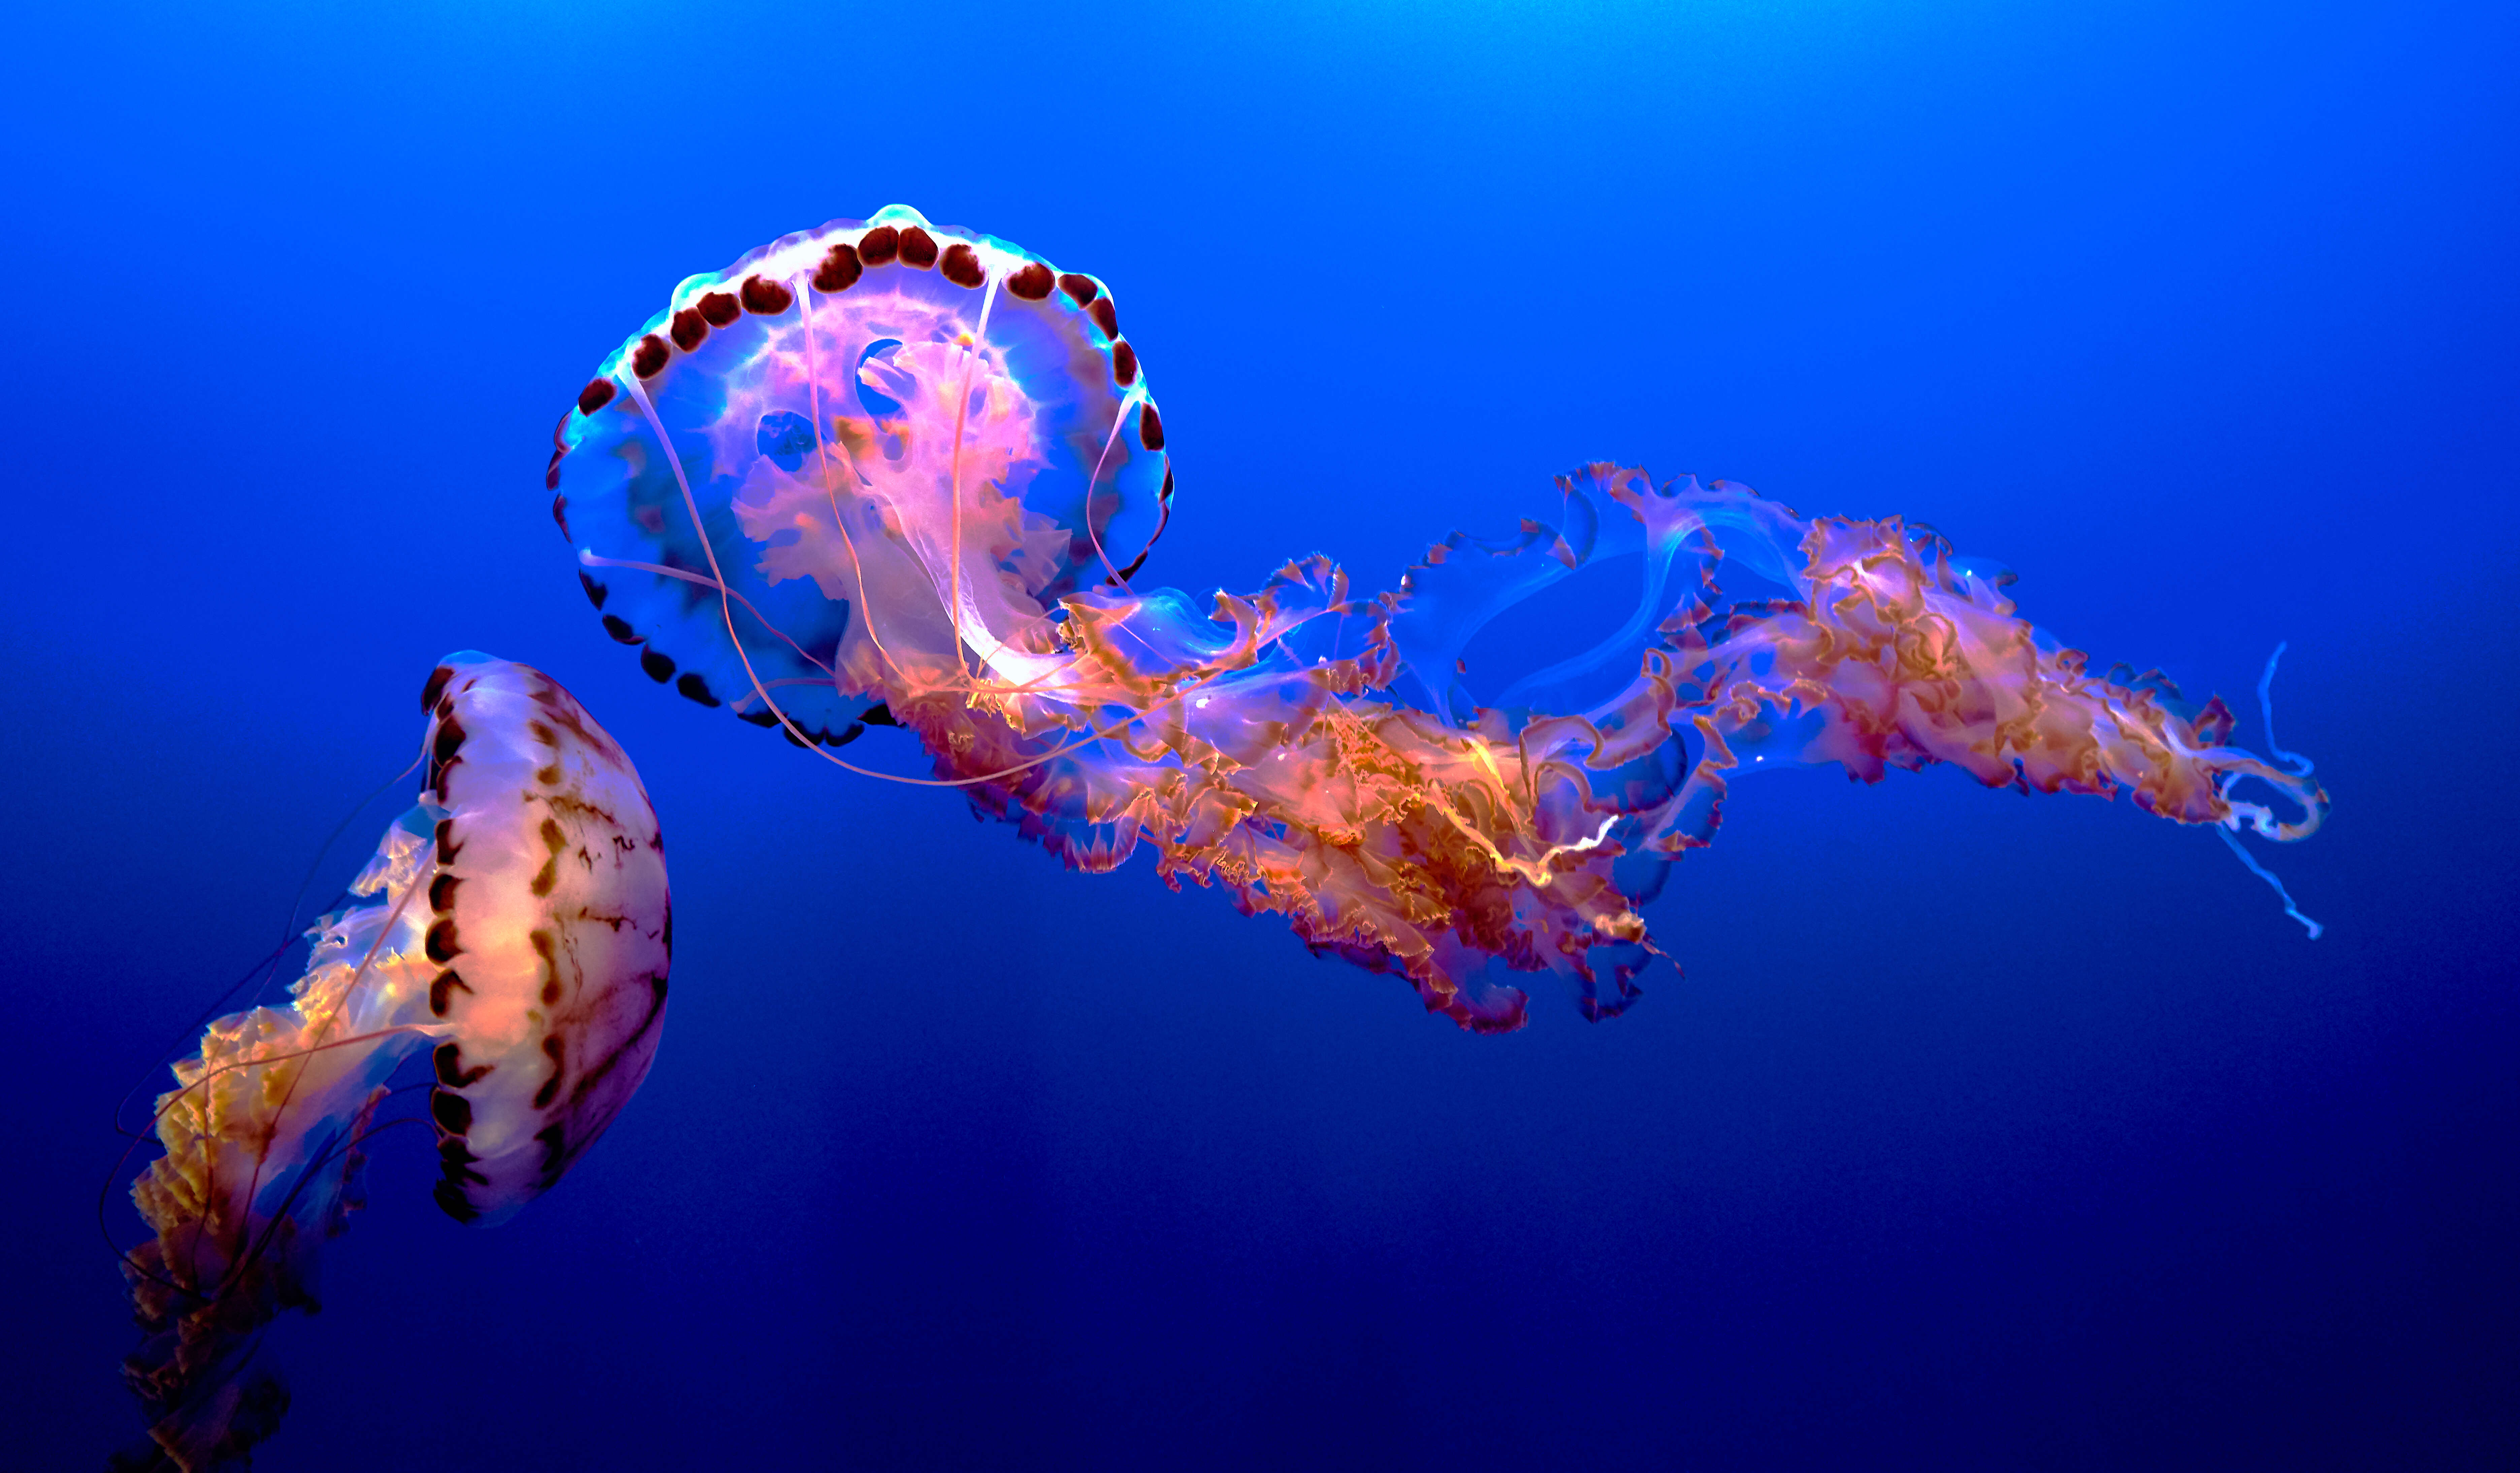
542 941
442 992
452 1112
647 360
554 1140
961 266
765 297
555 1049
450 1191
447 1059
878 246
840 270
549 874
1032 282
689 329
719 308
443 753
918 249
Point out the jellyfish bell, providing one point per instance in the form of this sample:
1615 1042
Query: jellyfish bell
515 924
862 462
549 930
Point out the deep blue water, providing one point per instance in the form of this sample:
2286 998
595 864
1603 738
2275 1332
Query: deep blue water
1982 1132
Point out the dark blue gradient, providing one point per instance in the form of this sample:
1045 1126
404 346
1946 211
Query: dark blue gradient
1983 1133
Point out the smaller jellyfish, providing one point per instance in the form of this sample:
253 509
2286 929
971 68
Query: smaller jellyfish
515 925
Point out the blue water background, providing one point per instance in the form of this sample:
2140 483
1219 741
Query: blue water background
1983 1132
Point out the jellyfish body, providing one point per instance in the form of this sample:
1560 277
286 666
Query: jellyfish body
933 435
1315 750
516 922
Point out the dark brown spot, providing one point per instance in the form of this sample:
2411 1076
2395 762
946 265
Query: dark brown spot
619 628
659 665
551 482
647 360
554 1140
550 975
689 330
840 270
547 877
553 838
692 685
961 267
552 1049
918 249
719 308
452 1111
448 1058
597 394
442 991
880 244
1080 288
1106 316
1124 364
1032 282
447 848
548 776
436 687
594 591
450 1200
669 943
450 736
441 892
766 296
1150 427
441 946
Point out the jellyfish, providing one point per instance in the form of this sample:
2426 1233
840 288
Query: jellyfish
515 924
890 473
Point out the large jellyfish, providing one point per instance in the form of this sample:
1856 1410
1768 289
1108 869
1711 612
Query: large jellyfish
515 925
885 473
